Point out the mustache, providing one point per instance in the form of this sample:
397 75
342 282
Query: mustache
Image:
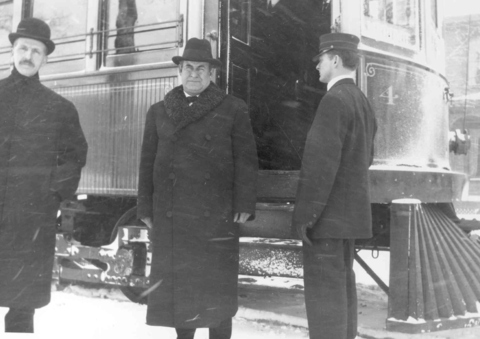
27 62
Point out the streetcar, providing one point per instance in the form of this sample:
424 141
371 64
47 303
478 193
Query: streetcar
113 60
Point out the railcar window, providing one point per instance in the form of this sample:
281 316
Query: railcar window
406 101
434 12
140 26
398 12
239 16
6 11
68 24
392 21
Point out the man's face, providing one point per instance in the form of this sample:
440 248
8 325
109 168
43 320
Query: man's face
195 76
325 67
29 56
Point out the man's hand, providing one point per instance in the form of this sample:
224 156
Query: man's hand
241 217
148 221
302 233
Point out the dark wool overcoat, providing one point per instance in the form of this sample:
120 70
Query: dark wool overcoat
333 196
42 151
198 167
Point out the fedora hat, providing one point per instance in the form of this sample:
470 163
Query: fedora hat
33 28
197 50
337 41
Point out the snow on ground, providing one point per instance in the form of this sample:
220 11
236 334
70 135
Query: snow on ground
79 312
264 313
272 308
269 308
379 261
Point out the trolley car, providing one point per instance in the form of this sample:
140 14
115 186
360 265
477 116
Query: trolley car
113 60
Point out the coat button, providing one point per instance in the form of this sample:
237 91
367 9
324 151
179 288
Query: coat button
169 214
171 176
208 137
207 176
206 214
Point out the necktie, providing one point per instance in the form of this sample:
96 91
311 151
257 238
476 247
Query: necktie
191 99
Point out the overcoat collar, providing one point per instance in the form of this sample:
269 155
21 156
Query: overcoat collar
21 79
343 81
182 114
23 90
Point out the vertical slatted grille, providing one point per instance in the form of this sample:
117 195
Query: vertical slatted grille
435 274
113 117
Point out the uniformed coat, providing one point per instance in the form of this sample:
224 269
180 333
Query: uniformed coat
333 196
198 167
42 151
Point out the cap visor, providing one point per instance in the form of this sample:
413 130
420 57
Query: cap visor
317 57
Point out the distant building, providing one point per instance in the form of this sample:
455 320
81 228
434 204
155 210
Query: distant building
462 54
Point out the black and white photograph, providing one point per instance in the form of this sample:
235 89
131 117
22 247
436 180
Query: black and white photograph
240 169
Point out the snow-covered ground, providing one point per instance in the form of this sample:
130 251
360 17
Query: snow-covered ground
270 308
379 261
79 312
264 313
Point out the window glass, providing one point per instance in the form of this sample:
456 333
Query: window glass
68 25
141 25
392 21
408 102
239 17
6 11
433 12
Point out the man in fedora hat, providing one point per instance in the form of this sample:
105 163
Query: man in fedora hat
42 151
332 206
197 181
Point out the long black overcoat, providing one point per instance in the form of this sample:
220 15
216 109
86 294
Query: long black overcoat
333 196
42 151
198 167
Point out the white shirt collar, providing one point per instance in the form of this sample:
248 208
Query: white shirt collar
336 79
188 95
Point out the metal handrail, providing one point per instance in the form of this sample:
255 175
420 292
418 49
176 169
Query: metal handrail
141 26
83 54
91 34
84 35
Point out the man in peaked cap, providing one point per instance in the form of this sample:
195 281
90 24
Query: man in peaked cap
197 181
332 206
42 151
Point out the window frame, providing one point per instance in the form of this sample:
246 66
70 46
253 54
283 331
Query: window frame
390 33
159 52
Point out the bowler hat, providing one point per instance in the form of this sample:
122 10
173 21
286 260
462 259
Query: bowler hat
33 28
337 41
197 50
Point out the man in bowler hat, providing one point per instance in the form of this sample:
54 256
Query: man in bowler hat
42 152
197 181
332 206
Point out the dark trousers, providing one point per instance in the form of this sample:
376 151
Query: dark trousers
19 320
330 291
224 331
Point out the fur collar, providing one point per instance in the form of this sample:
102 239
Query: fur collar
182 114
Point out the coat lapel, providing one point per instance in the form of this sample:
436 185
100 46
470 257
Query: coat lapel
182 114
